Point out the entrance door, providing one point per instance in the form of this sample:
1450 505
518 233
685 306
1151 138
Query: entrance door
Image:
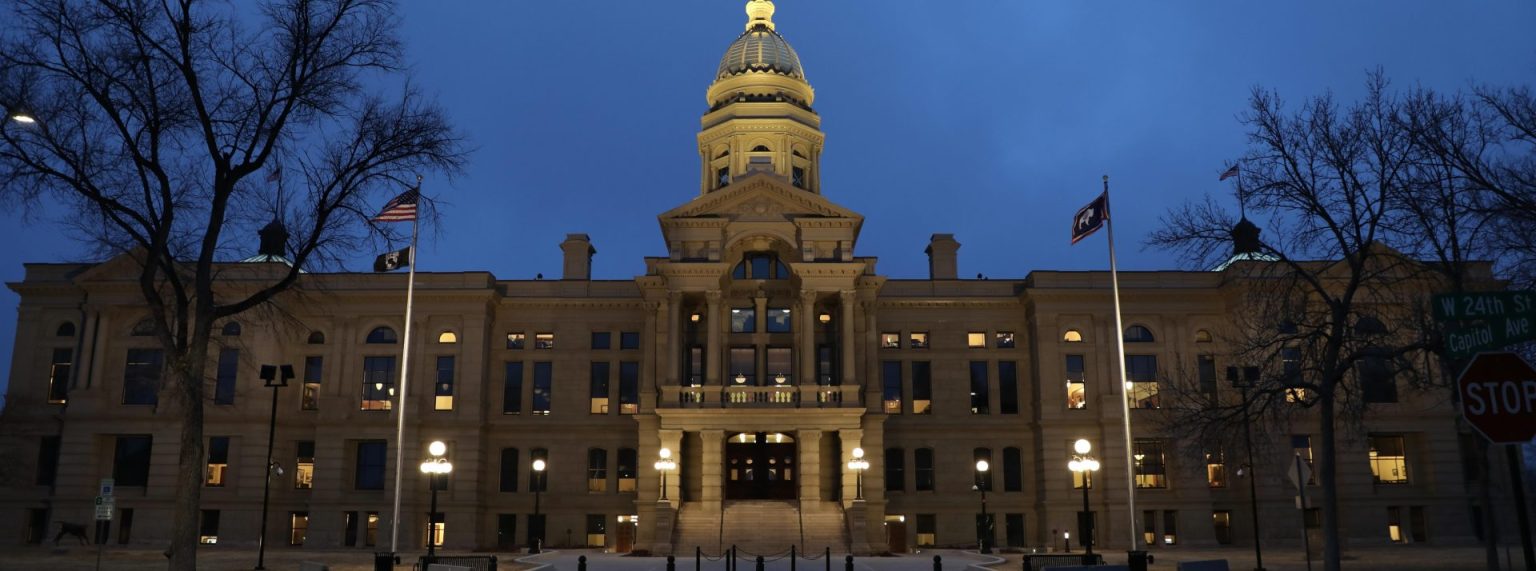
625 541
760 466
896 535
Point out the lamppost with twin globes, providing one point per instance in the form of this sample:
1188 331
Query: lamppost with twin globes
436 468
538 488
983 527
664 465
1084 465
858 464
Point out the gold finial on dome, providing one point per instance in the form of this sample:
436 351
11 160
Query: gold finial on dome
759 12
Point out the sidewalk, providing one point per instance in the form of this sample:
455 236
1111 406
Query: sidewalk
1393 558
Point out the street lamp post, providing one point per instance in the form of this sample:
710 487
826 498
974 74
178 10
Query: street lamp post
436 468
1085 465
983 528
664 465
538 488
858 464
274 376
1249 377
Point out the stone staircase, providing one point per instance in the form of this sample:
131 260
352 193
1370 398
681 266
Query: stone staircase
761 527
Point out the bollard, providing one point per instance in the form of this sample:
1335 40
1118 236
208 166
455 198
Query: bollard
848 563
671 563
698 558
791 558
938 564
759 563
1138 560
581 563
384 561
827 556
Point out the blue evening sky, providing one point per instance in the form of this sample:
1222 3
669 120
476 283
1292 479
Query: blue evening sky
991 119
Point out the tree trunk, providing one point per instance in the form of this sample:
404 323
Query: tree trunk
187 377
1328 477
1485 466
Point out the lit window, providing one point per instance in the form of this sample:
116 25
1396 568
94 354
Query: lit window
629 387
1072 336
208 527
918 340
1395 524
597 530
1170 527
1151 467
1216 469
516 340
544 341
778 320
218 461
976 340
382 335
543 379
890 383
922 387
378 382
447 337
743 320
58 376
927 530
443 391
439 530
1077 392
598 388
314 368
304 466
298 527
597 471
1389 460
1141 381
1004 339
890 340
1202 336
627 469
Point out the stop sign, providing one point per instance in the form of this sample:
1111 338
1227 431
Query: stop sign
1498 397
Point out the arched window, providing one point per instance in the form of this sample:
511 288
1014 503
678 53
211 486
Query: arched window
382 335
231 329
761 149
1202 336
143 328
1367 325
761 266
1138 334
316 338
66 329
447 337
1072 336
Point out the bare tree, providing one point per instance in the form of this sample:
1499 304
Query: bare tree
168 126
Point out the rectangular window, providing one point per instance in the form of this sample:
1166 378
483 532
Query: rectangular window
437 531
218 461
780 366
778 320
512 389
597 471
304 466
890 340
141 376
509 470
506 531
922 387
895 470
1216 469
1151 465
1301 445
378 382
976 339
517 340
922 460
927 530
1207 373
371 529
298 527
1395 524
543 340
601 339
368 473
597 530
722 177
208 528
37 525
1389 460
695 366
1008 386
47 460
1221 521
598 388
1141 373
443 395
1015 533
1149 527
743 320
1013 475
980 399
1377 384
228 369
627 469
1416 524
629 387
130 461
58 376
890 382
125 526
543 387
1077 383
1170 527
1003 339
629 339
826 365
918 340
743 366
797 176
349 529
314 368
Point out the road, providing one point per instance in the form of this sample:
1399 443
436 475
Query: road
598 561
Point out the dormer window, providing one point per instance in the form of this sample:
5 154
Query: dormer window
761 266
761 149
722 177
797 177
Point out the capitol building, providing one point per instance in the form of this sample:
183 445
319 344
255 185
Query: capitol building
762 349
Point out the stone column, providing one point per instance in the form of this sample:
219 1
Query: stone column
808 441
845 329
851 438
712 343
805 335
650 397
872 352
760 337
674 323
711 469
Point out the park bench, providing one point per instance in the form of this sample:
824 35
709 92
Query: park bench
1040 562
471 562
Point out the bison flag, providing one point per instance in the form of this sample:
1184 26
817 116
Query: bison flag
1090 218
391 261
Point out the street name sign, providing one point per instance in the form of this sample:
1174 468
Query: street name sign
1484 305
1485 320
1498 397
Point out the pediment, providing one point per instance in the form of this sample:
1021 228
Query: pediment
760 196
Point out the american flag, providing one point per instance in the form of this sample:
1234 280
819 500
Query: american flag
1231 172
401 209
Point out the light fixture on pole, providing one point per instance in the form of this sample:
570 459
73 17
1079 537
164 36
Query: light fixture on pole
1249 377
535 546
277 377
1084 465
983 527
664 465
858 464
437 467
20 114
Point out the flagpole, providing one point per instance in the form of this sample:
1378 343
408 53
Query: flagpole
1125 396
405 367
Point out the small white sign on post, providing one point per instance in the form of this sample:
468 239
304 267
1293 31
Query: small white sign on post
104 508
106 487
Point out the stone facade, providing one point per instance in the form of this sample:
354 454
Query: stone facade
760 326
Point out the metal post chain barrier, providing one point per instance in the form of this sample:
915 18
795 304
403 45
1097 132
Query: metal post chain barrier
848 563
759 563
938 563
581 563
671 563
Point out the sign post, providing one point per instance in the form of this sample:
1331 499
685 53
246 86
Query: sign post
104 506
1498 398
1299 474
